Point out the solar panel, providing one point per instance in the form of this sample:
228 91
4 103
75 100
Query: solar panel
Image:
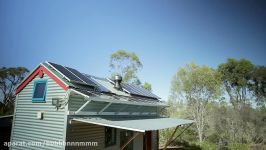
74 75
81 76
70 76
137 90
100 87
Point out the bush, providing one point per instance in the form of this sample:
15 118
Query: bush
238 146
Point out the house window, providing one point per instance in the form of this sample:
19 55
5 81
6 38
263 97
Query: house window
39 91
110 136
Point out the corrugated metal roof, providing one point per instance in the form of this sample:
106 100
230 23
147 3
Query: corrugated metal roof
118 99
135 124
105 83
103 86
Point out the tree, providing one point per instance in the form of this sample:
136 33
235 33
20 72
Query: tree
236 75
243 83
147 86
258 84
197 86
9 79
126 64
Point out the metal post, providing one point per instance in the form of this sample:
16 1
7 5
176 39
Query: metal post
104 108
83 106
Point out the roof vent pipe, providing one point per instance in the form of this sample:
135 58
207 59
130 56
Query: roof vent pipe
118 80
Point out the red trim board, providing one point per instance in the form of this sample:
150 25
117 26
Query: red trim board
39 71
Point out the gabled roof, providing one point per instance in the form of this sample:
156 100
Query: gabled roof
40 70
104 85
72 79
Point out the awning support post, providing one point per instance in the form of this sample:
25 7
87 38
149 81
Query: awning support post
104 108
130 140
123 108
170 141
83 106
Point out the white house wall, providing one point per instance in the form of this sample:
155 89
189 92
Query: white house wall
26 126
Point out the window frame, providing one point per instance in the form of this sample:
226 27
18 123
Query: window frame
115 138
42 99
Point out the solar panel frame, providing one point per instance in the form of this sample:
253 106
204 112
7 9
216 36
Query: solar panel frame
99 86
70 76
136 90
81 76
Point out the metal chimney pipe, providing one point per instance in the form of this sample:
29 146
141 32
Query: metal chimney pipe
118 80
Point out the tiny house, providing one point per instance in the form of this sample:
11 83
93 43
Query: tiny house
58 107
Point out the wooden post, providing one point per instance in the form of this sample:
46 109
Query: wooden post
157 139
148 137
129 141
170 139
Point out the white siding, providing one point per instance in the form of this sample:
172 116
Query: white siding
26 126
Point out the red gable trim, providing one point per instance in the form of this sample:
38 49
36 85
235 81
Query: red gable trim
39 71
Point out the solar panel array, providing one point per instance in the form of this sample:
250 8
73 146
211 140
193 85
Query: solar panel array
72 74
137 90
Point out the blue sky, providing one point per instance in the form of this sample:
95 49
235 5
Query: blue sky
165 34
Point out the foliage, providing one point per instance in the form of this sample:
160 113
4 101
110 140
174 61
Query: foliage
231 118
236 75
237 146
259 84
9 78
147 86
125 64
206 145
197 85
243 81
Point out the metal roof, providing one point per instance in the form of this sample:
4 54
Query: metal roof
106 84
105 88
103 85
118 98
134 124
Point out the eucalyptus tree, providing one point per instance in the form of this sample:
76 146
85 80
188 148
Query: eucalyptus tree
196 86
236 77
9 79
147 86
126 64
258 85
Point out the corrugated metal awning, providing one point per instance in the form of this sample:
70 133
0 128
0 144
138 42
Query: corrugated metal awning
135 124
